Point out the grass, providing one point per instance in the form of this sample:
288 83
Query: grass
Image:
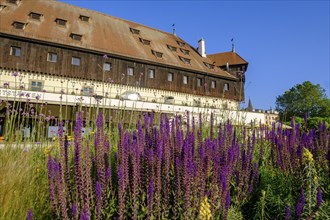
24 183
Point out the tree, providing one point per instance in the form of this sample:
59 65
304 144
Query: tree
305 98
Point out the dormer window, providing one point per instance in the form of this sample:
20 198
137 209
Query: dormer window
144 41
171 48
61 22
2 7
19 25
134 31
76 37
186 52
185 60
208 65
13 1
180 43
157 54
84 18
35 16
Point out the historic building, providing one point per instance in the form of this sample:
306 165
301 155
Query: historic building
65 54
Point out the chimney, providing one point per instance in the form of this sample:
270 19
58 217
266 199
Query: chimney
201 47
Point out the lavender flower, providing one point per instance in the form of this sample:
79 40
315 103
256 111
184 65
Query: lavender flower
98 199
150 198
74 210
15 74
287 213
29 215
300 205
318 197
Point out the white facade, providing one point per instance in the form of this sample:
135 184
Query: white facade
61 90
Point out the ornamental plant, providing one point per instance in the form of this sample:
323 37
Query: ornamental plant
173 169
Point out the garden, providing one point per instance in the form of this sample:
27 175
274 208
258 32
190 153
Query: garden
162 167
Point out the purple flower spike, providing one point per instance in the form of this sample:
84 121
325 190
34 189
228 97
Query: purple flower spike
98 199
74 210
300 205
287 213
29 215
319 198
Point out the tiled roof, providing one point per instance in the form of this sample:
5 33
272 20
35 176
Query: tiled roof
61 23
221 59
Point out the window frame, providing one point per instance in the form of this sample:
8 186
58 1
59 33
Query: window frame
213 84
199 82
134 31
157 54
86 92
151 73
145 41
172 48
50 56
19 25
226 87
76 37
61 22
130 71
37 17
13 51
185 80
107 64
84 18
36 87
170 75
77 59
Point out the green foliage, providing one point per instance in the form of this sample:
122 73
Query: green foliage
276 190
24 183
303 98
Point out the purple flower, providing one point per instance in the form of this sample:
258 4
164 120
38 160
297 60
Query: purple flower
74 210
29 215
300 205
287 213
98 199
105 56
150 198
15 74
318 197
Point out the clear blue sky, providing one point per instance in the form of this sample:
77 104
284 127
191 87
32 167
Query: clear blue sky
285 42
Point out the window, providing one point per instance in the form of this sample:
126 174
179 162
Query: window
181 44
61 22
76 37
157 54
52 57
171 48
199 82
134 31
15 51
151 73
130 71
87 90
36 85
19 25
185 80
213 84
2 7
75 61
145 42
13 1
226 87
208 65
185 60
107 66
170 77
186 52
35 16
84 18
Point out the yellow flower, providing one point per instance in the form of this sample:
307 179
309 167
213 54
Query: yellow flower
47 150
205 211
308 155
